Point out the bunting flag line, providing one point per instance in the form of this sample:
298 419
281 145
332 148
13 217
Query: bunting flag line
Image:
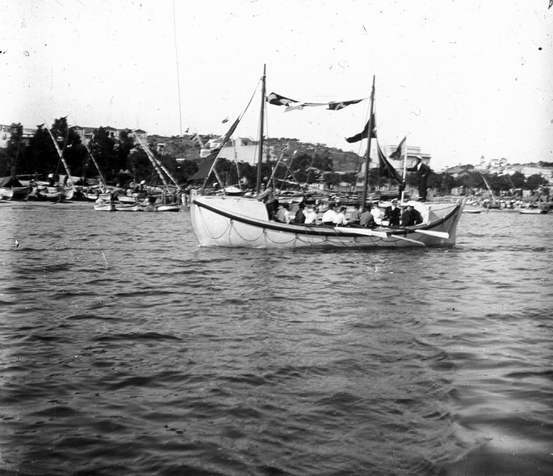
294 105
278 100
399 152
336 106
385 168
364 134
299 106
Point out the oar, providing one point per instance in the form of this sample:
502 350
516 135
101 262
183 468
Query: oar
408 239
437 234
362 231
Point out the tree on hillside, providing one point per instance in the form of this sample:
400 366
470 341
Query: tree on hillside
517 180
534 181
14 151
41 156
102 146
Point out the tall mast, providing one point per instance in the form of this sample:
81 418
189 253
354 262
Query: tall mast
102 178
153 161
62 158
404 181
261 120
368 154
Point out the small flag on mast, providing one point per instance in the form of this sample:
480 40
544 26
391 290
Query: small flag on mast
278 100
399 152
364 133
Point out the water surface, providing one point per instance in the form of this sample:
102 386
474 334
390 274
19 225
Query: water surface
126 349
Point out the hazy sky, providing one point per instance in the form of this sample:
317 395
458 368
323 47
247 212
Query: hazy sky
460 78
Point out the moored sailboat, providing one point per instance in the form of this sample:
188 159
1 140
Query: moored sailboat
237 221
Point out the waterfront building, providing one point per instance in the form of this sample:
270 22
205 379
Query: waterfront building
5 134
239 150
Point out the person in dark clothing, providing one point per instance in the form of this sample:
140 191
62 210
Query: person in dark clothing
423 172
393 214
410 216
299 218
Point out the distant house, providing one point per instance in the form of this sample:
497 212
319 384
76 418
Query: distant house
459 170
239 150
87 133
413 153
5 135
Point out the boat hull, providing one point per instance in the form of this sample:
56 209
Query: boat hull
243 222
533 211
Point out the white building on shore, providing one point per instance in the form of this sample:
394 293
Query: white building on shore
239 150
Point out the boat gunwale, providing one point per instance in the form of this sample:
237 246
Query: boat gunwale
318 230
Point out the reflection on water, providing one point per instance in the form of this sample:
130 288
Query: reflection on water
126 349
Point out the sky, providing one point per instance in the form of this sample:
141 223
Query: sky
459 78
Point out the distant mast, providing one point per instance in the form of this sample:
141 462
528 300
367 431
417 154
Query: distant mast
261 120
62 158
368 154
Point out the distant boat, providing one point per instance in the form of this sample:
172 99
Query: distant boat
12 189
533 211
472 210
104 206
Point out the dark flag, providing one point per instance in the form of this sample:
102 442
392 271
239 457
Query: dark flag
278 100
399 152
364 133
336 106
385 168
230 132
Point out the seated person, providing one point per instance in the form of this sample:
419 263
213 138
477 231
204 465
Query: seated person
299 218
329 217
310 216
393 214
410 216
377 213
354 216
282 214
366 219
340 218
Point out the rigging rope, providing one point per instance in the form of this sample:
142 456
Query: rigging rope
223 144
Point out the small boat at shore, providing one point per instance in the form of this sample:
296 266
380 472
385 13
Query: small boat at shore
12 189
533 211
472 210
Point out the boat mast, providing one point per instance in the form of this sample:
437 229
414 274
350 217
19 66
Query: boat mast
404 178
153 161
60 154
102 179
368 154
261 120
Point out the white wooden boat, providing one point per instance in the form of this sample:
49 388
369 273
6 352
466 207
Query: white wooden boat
243 222
126 199
169 207
533 211
237 221
121 207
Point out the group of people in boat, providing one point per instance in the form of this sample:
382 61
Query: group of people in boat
368 216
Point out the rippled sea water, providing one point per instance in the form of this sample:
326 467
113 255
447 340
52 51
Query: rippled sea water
126 349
